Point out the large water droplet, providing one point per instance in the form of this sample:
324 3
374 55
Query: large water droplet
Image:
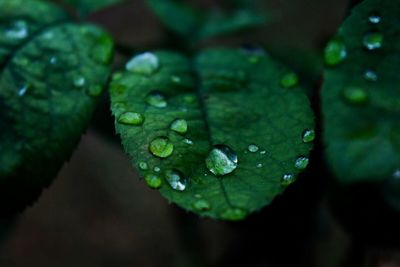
201 205
374 18
308 136
131 118
370 76
221 160
234 214
179 126
288 179
335 52
252 148
176 180
355 95
146 64
156 99
143 166
289 80
161 147
301 163
19 30
153 181
373 41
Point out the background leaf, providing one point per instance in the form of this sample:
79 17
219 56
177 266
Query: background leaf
85 7
361 100
244 101
49 84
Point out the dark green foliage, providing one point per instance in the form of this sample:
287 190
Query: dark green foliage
85 7
49 82
361 99
235 98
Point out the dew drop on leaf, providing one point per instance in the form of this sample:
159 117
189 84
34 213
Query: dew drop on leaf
252 148
188 141
289 80
373 41
19 30
301 163
79 81
221 160
157 169
308 136
355 95
179 126
234 214
259 165
263 152
161 147
143 166
201 205
131 118
335 52
145 64
22 91
156 99
374 18
288 179
176 180
370 76
153 181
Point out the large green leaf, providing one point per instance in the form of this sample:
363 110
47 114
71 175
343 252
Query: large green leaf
245 105
50 78
361 99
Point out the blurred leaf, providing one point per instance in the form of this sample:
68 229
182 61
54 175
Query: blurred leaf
361 100
245 105
51 75
85 7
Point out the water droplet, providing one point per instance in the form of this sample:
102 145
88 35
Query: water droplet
157 169
263 152
301 163
288 179
53 60
156 99
335 52
308 136
19 30
259 165
146 64
188 141
289 80
252 148
396 174
143 166
153 181
373 41
175 79
201 205
374 18
176 180
131 118
234 214
22 91
370 76
179 126
79 81
161 147
355 95
221 160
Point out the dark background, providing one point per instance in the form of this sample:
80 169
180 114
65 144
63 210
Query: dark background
98 213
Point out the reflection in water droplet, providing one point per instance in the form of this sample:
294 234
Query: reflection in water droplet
161 147
373 41
221 160
131 118
176 180
289 80
143 166
179 126
288 179
301 163
355 95
234 214
145 64
156 99
308 136
19 30
374 18
153 181
370 76
201 205
335 52
252 148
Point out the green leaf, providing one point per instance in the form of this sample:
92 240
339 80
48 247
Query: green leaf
240 124
86 7
49 83
361 100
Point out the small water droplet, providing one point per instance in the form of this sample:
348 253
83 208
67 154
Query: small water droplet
301 163
153 181
156 99
288 179
53 60
373 41
131 118
374 18
188 141
176 180
252 148
146 64
289 80
370 76
79 81
19 30
259 165
179 126
335 52
157 169
221 160
161 147
308 136
355 95
263 152
234 214
201 205
175 79
143 166
22 91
